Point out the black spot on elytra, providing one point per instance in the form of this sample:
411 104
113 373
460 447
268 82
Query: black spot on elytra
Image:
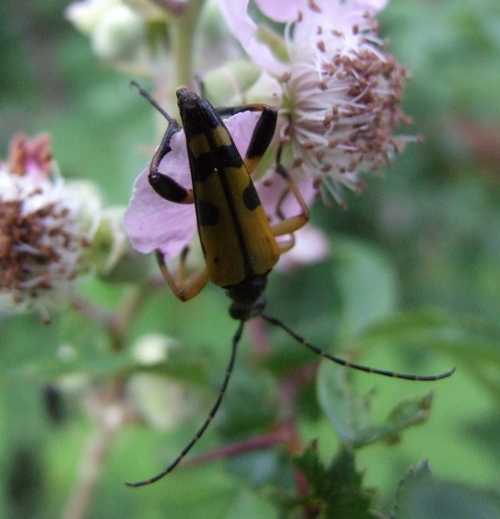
208 213
250 197
223 157
202 167
229 156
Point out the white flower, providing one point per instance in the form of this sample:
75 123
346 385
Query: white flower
341 90
45 230
118 35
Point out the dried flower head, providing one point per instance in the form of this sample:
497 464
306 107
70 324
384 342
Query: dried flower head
45 229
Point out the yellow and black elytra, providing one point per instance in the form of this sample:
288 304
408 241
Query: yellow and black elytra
238 243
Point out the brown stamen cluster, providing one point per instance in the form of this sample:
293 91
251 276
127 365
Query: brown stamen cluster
362 115
41 236
31 249
345 95
372 109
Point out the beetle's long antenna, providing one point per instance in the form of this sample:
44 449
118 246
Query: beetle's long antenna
213 411
146 95
346 363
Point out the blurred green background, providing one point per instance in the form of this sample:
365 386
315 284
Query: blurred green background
420 246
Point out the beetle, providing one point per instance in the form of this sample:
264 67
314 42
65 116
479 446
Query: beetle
238 242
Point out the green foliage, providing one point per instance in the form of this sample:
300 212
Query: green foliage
335 490
351 417
410 284
419 495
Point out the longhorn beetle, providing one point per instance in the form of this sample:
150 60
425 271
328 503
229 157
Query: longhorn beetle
238 243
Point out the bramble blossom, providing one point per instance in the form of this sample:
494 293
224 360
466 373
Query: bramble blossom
342 91
45 229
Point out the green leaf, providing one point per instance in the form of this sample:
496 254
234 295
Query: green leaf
366 283
413 482
420 496
467 339
351 416
37 352
248 505
347 413
337 489
409 412
266 470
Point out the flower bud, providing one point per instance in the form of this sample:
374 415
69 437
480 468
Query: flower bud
118 34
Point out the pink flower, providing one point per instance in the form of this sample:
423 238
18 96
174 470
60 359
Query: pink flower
341 90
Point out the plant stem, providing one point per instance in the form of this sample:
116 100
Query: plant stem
184 32
109 420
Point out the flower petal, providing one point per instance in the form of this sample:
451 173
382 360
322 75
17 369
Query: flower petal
280 11
372 6
155 223
245 31
311 246
273 189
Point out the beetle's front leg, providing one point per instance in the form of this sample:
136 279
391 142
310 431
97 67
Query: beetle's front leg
262 134
164 185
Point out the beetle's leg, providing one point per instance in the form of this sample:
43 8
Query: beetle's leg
181 269
262 134
261 138
184 289
293 223
164 185
289 243
172 191
286 245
